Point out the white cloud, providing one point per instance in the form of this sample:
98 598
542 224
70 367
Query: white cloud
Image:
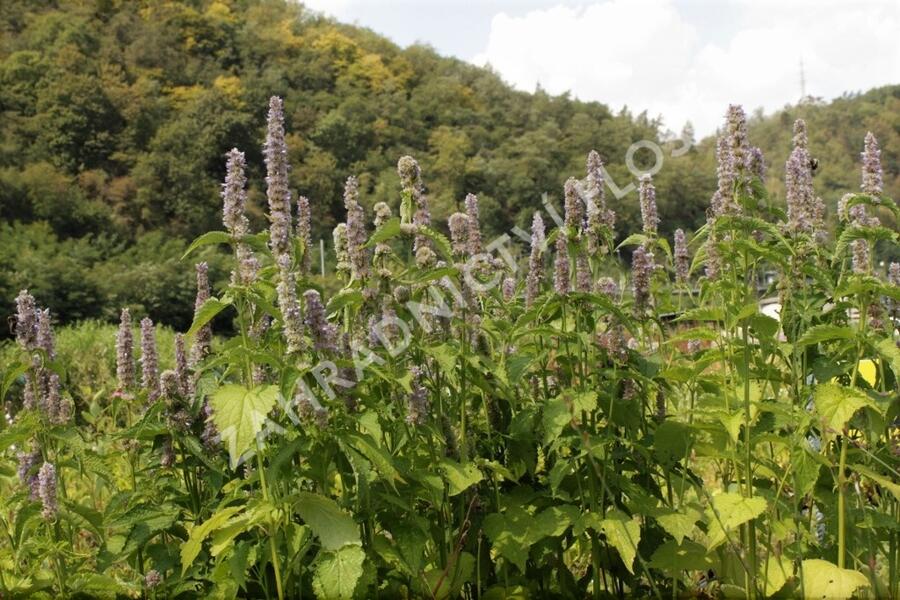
648 55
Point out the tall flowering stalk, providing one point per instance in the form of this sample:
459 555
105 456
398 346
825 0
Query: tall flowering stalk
458 223
277 191
649 216
561 273
805 210
26 321
356 231
149 360
234 200
583 276
642 268
736 124
304 233
682 257
47 491
574 215
535 260
474 228
323 333
203 338
872 181
418 405
291 315
125 352
182 372
598 218
339 235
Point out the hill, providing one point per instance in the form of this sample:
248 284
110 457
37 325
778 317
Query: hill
116 116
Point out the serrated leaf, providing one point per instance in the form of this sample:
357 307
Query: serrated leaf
334 527
822 579
623 534
239 414
688 556
555 520
389 229
678 524
342 299
556 416
836 404
207 239
886 348
775 572
824 333
191 548
206 313
337 573
460 477
511 533
729 510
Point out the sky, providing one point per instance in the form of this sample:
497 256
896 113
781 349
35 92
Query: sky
682 60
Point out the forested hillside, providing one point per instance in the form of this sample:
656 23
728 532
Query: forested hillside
116 116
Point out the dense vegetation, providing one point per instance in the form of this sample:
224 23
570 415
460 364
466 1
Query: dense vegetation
116 116
455 422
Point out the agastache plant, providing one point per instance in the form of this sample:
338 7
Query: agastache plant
624 431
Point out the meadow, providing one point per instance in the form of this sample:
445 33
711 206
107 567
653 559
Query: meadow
452 416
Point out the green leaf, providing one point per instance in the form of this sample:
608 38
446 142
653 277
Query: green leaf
337 573
13 372
836 404
635 239
556 417
623 534
886 348
512 534
555 520
824 333
239 414
342 299
885 482
380 459
729 510
389 229
460 477
778 569
191 548
207 239
334 527
671 442
822 579
678 524
206 313
688 556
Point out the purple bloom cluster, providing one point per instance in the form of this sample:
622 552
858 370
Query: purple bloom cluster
47 491
682 258
125 352
26 321
861 263
574 216
583 275
806 212
149 360
459 233
642 268
418 404
535 262
356 231
474 234
607 287
339 235
277 190
872 182
183 377
649 215
291 315
561 273
304 233
323 333
203 338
